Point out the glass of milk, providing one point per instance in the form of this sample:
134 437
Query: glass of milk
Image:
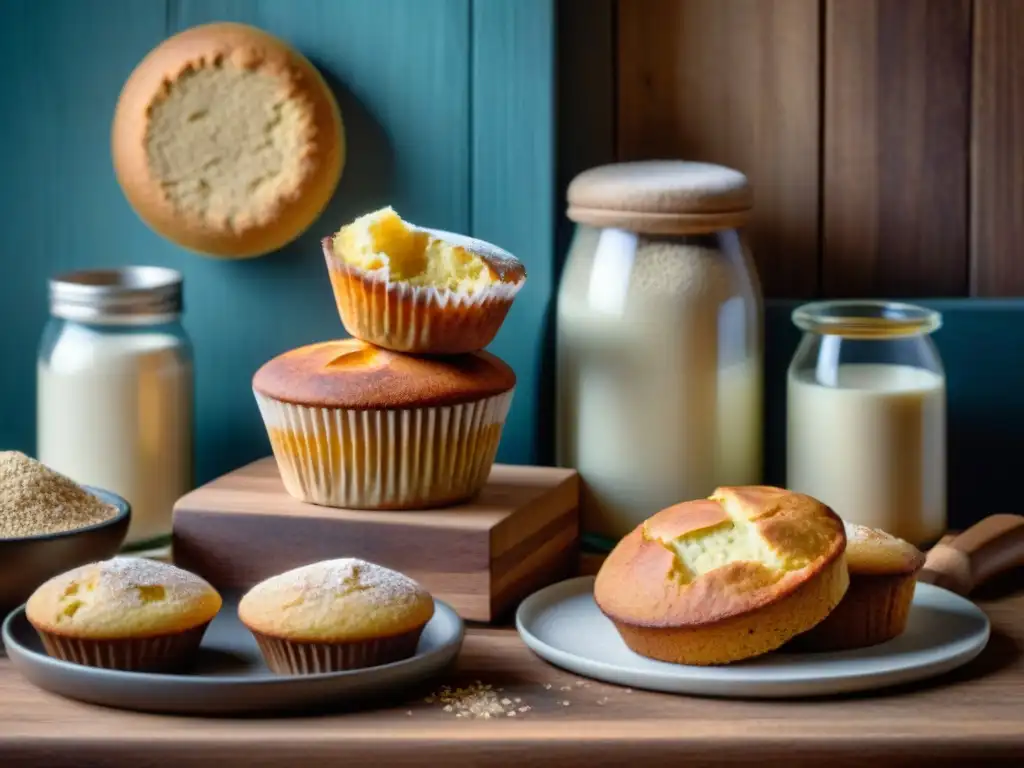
114 391
866 430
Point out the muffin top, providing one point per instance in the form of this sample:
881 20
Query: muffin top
126 597
873 552
382 244
702 561
353 374
336 601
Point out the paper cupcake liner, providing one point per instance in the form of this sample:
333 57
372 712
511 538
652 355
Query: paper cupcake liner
128 654
416 319
287 657
385 459
874 610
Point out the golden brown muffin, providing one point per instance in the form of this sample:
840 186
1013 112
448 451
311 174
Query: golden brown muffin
335 615
419 291
726 578
227 141
127 613
883 572
359 427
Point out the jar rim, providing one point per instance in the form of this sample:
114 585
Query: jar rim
866 318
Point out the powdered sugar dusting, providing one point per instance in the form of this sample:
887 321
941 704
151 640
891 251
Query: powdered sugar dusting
497 258
349 575
124 579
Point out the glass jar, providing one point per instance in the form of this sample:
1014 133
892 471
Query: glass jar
659 342
114 391
866 411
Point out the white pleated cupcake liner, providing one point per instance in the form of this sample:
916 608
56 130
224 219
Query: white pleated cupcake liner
417 319
288 657
160 652
385 459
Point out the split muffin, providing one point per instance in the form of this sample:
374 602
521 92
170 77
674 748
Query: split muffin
883 572
419 291
336 615
359 427
726 578
127 613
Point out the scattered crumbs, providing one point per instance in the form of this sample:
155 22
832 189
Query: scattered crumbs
580 683
547 686
602 701
565 688
629 690
409 712
517 700
476 701
565 703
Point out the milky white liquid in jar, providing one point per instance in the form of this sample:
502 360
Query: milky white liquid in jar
114 410
659 375
872 445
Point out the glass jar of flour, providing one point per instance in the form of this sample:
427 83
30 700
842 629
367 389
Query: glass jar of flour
659 343
114 391
866 411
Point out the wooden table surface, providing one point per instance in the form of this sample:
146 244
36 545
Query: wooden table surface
973 716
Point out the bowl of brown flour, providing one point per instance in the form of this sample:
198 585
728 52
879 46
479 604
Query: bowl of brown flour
50 524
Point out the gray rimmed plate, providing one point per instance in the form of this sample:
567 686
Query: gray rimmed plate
563 625
230 677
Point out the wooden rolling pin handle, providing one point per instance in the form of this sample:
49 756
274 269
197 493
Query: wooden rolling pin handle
987 548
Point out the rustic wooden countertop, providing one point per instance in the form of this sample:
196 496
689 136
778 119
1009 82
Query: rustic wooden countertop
973 716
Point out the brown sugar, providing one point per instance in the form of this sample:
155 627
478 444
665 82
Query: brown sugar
35 500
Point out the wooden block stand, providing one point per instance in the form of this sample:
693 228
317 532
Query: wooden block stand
482 558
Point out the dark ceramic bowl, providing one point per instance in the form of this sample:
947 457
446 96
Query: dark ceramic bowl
27 562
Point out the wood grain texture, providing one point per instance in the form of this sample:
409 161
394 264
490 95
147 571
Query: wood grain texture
481 557
897 84
997 149
513 180
733 82
969 717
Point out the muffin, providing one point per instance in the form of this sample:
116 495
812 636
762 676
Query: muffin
355 426
725 578
336 615
883 571
419 291
227 141
127 613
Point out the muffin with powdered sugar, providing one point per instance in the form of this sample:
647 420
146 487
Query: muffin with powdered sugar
335 615
127 613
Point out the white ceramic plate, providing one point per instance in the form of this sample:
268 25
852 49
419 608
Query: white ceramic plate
562 624
230 676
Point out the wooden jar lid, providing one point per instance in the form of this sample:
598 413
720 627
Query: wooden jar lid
661 197
227 141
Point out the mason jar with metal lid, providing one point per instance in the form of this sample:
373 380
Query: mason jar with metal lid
115 391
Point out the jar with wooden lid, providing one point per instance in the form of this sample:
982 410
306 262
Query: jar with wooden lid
659 342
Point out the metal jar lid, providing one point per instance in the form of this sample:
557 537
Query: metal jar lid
124 295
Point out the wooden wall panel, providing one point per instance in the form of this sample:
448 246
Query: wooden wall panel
897 84
997 149
512 161
734 82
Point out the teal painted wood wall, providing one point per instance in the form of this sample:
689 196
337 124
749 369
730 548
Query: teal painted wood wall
448 106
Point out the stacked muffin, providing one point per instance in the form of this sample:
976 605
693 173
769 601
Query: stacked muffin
409 412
